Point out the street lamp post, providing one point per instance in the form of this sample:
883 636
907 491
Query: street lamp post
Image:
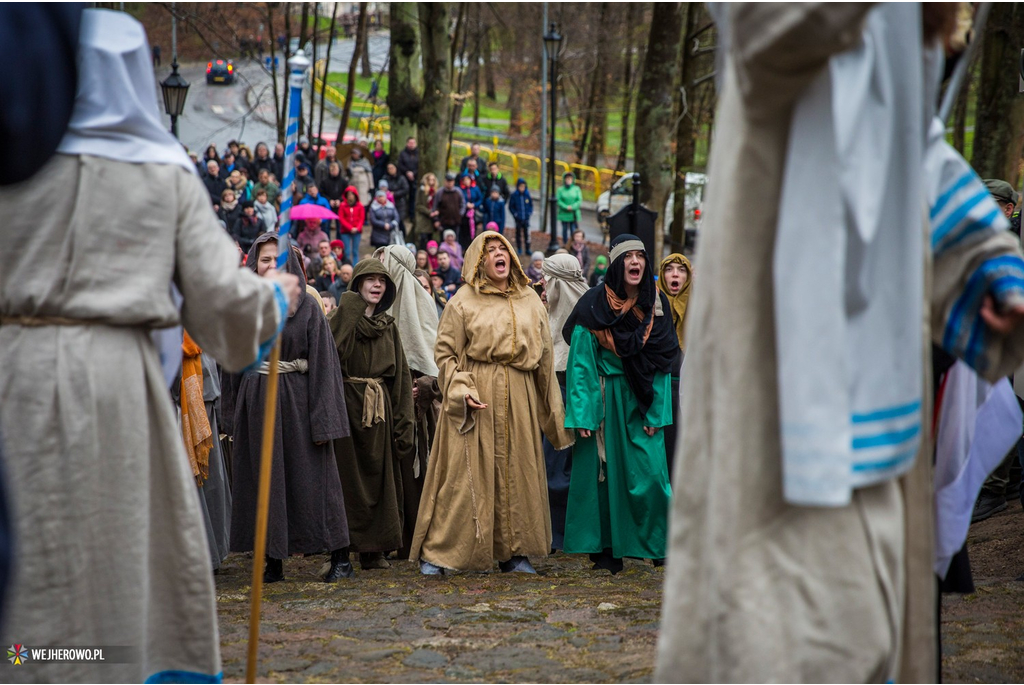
174 87
552 42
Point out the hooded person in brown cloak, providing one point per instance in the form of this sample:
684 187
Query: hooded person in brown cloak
378 391
485 495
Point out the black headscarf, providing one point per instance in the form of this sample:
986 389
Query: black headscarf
640 360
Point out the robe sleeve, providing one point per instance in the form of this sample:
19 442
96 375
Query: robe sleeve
963 276
455 384
659 414
780 47
584 404
232 313
974 256
401 403
552 411
328 415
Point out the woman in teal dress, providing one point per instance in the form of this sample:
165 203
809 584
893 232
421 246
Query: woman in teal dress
618 397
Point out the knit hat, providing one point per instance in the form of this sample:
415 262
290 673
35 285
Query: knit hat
495 189
491 226
447 231
381 193
383 184
449 176
337 243
537 256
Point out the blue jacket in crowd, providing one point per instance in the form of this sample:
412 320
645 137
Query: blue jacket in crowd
520 203
494 210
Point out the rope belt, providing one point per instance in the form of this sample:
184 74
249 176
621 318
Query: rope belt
37 321
294 366
373 399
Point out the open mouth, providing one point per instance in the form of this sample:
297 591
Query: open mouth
635 271
500 263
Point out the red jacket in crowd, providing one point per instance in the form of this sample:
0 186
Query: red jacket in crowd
351 217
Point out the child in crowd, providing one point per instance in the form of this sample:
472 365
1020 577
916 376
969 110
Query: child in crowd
521 205
494 210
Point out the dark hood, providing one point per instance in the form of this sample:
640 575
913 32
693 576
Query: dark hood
374 266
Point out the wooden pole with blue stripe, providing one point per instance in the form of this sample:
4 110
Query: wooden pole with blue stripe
298 65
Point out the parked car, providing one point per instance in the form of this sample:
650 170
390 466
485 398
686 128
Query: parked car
621 194
220 71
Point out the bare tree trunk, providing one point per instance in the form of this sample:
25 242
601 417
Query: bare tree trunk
278 124
350 91
284 64
456 111
627 84
434 112
686 109
655 113
599 89
365 57
492 91
999 120
405 74
327 68
316 25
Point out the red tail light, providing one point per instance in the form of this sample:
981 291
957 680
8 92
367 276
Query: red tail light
231 68
696 214
209 65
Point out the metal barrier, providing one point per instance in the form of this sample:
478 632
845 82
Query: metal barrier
582 171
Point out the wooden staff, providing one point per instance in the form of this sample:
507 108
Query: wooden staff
298 64
262 513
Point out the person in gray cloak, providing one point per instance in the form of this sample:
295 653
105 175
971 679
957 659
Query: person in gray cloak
111 548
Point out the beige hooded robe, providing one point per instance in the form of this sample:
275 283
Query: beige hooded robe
485 496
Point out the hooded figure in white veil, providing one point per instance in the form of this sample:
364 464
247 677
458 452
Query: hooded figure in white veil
416 317
801 531
111 546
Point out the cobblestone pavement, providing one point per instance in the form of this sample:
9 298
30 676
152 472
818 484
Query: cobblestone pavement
983 633
567 624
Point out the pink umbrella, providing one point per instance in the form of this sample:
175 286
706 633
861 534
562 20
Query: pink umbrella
311 211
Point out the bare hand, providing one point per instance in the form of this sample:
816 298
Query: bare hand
474 405
584 433
289 284
1003 323
651 431
415 392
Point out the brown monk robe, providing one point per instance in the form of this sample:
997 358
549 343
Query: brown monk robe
485 497
378 393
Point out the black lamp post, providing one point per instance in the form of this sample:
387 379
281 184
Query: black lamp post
175 89
552 42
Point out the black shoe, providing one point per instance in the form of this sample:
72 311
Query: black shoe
274 571
986 506
339 570
657 562
605 560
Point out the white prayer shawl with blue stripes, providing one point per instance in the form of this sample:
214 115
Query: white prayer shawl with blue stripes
849 271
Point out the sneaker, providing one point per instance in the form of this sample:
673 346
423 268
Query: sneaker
517 565
428 569
986 506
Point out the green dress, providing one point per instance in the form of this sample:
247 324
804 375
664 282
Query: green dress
627 509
